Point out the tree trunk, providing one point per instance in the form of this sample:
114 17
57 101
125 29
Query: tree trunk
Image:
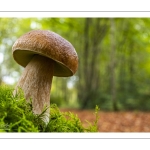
112 64
89 61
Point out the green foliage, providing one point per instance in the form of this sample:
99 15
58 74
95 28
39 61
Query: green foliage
58 100
15 112
93 127
63 122
16 116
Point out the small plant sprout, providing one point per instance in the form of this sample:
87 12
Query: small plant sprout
44 54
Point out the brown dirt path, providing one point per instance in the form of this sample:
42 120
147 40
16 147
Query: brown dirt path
116 121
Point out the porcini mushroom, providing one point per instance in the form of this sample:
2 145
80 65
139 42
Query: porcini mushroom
44 54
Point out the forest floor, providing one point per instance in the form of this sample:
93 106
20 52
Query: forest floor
116 121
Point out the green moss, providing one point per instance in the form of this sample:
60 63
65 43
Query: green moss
16 116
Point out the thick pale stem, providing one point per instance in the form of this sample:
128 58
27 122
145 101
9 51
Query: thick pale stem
36 83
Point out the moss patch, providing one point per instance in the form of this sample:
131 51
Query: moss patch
16 116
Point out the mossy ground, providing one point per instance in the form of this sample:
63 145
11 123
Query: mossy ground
16 116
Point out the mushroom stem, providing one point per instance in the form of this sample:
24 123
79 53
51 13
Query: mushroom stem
36 83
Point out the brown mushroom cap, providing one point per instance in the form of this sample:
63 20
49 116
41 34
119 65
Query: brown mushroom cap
48 44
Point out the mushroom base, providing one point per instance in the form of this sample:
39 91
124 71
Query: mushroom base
36 83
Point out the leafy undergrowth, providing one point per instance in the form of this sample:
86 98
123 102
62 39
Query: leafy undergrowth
16 116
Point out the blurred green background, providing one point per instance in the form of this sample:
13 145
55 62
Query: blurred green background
114 60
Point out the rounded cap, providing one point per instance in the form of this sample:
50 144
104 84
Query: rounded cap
48 44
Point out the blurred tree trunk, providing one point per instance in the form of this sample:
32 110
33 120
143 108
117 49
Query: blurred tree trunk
113 63
83 70
89 72
131 63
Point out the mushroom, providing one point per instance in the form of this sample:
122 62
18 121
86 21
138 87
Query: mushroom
44 54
